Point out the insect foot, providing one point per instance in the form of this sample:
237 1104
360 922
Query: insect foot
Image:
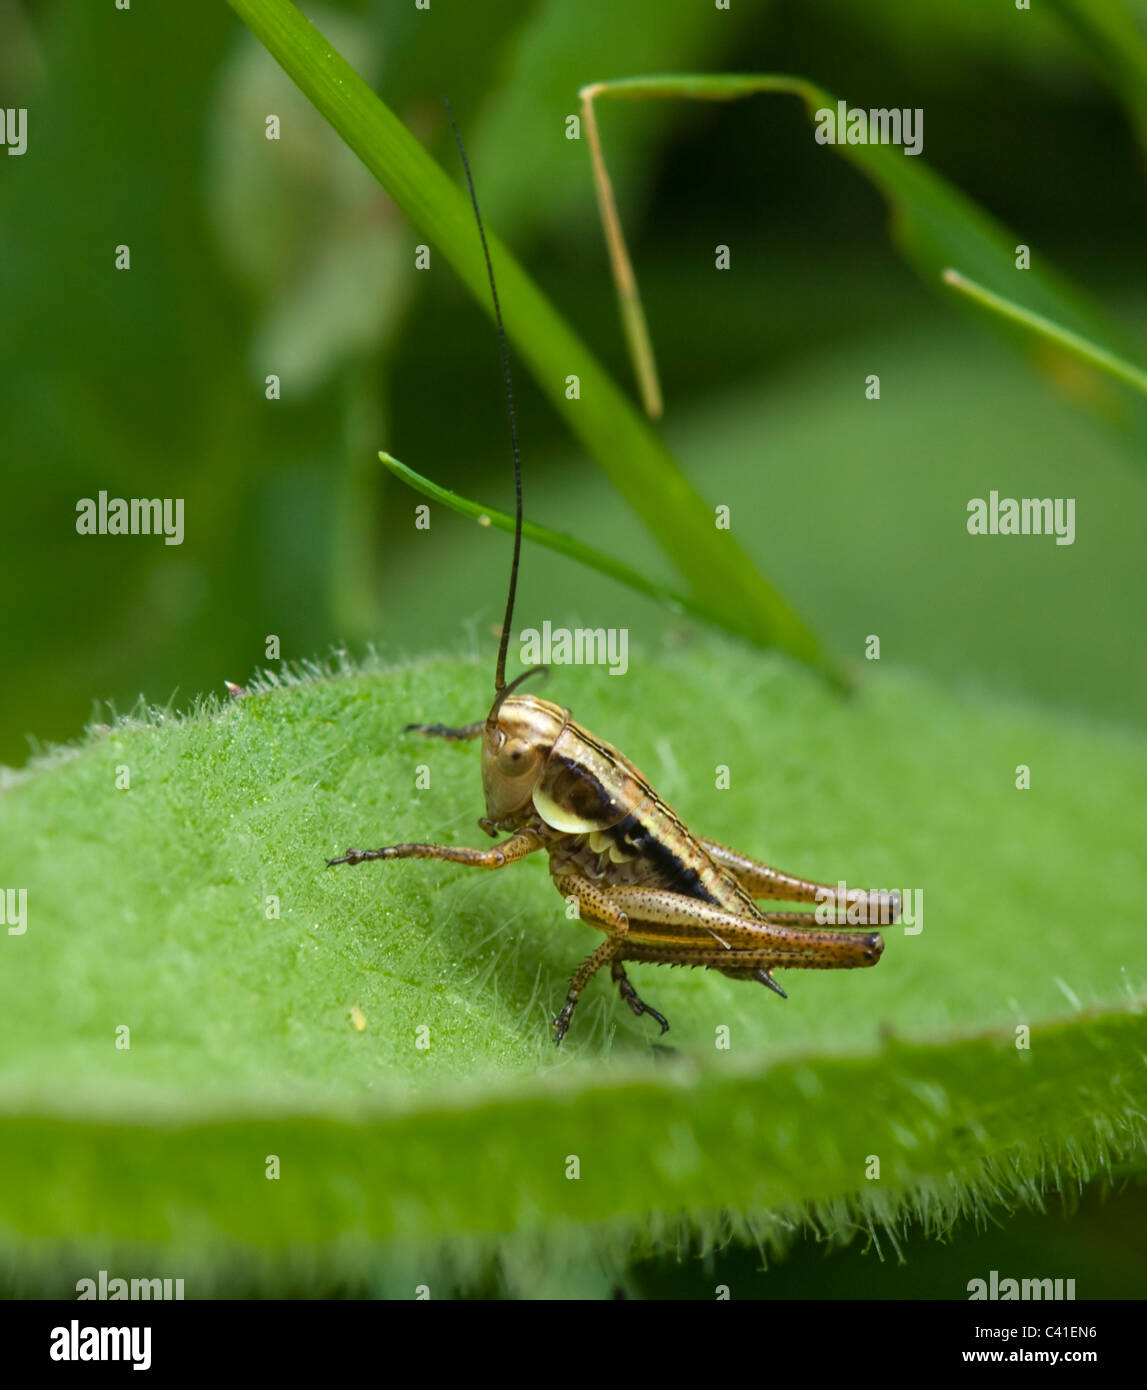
562 1022
357 856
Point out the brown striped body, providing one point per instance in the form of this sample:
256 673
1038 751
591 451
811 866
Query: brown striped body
599 819
661 894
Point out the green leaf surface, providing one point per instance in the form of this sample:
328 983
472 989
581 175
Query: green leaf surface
147 907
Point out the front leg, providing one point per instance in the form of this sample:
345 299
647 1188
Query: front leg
444 731
516 847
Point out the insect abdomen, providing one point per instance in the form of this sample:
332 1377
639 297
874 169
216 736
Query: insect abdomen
651 848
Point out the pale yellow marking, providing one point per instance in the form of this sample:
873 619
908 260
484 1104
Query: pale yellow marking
559 817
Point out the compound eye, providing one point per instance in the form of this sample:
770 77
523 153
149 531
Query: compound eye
516 758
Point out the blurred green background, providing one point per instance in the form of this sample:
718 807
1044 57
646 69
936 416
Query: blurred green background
251 257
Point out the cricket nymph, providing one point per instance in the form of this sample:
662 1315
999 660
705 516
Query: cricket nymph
626 860
660 894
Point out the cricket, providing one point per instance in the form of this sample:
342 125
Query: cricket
660 894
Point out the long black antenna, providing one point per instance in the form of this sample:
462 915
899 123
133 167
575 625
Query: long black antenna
507 624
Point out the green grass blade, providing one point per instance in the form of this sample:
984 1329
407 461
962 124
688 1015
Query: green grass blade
1109 35
557 541
718 570
932 224
1037 324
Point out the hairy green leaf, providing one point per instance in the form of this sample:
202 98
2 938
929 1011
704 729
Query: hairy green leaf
153 908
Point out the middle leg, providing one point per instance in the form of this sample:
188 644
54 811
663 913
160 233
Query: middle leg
597 908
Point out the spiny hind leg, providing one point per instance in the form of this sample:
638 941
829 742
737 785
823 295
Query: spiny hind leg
753 965
637 1005
763 881
670 922
758 963
799 920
